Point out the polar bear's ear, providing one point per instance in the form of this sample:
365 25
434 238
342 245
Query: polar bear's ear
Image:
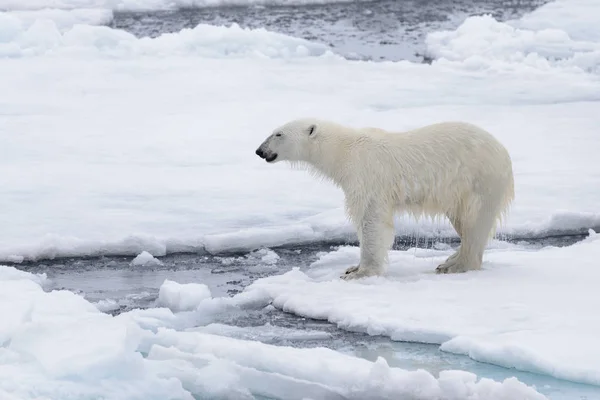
312 130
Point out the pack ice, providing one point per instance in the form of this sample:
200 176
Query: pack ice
57 345
118 145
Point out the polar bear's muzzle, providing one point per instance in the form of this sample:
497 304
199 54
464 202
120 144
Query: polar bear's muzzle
266 155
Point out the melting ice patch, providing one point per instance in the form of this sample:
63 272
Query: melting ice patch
534 311
58 345
145 259
262 333
182 296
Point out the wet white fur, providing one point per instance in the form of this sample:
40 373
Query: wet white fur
451 169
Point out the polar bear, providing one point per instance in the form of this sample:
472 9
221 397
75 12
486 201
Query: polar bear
452 169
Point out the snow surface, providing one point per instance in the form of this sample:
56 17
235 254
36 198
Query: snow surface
136 150
483 42
182 297
535 311
62 19
45 37
57 345
578 18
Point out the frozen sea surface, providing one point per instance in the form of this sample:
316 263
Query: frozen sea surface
116 286
373 30
170 262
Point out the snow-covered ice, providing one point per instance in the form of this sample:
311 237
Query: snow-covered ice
117 145
107 305
57 345
137 151
534 311
44 36
182 296
63 20
578 18
483 42
282 372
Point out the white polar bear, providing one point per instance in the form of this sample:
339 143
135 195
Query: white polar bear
453 168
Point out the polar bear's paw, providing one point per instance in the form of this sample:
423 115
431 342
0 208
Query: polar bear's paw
350 273
351 270
356 273
452 265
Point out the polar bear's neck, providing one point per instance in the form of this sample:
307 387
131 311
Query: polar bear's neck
331 157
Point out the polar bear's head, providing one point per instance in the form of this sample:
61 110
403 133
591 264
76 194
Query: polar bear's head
290 142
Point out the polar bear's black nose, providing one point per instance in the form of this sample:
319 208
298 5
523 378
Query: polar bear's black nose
260 153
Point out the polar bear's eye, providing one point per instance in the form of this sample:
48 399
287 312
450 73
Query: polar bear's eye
278 134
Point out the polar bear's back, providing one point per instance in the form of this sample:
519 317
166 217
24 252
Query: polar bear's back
433 167
460 144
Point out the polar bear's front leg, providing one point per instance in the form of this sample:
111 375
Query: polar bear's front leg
376 236
359 235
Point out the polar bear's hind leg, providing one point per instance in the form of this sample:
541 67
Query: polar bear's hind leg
475 226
